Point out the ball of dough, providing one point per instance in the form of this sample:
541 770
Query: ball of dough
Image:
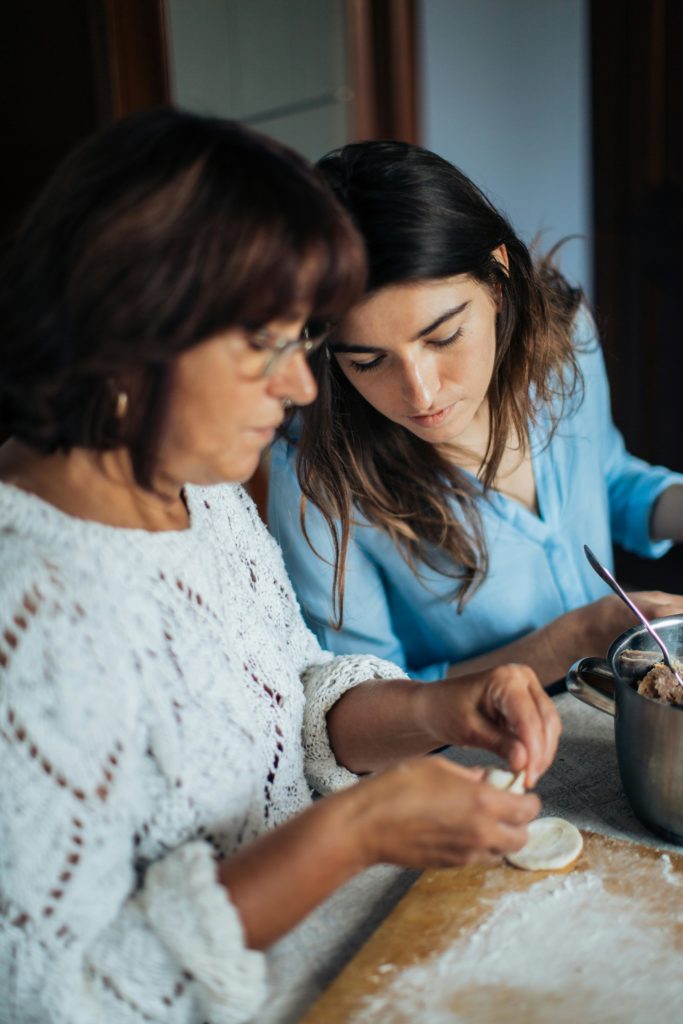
502 779
553 844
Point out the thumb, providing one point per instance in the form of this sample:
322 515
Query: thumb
503 743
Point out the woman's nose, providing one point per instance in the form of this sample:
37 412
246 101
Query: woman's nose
420 384
291 378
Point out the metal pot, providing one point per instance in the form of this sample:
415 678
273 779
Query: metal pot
648 735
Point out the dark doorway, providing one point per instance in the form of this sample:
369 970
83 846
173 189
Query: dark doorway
637 89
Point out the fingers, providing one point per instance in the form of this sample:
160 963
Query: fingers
428 812
552 729
605 619
657 604
508 747
490 736
504 827
525 719
509 810
497 826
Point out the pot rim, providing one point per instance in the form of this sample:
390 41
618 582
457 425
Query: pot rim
621 641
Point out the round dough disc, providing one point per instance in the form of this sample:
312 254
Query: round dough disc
553 844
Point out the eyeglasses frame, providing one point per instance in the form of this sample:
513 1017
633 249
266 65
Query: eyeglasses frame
279 347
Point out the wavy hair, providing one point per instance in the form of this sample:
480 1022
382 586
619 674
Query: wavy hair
153 236
422 219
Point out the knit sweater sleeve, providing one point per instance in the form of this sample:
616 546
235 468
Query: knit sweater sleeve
325 677
86 932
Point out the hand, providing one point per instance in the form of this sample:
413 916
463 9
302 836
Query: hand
428 812
598 624
503 709
666 521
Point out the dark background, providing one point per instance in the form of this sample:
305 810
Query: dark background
637 115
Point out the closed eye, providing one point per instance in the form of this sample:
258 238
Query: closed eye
434 342
445 342
364 367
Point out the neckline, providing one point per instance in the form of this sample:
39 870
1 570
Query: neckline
15 499
512 510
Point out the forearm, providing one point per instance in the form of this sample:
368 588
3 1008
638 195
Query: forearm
666 522
503 710
548 651
280 877
380 722
583 632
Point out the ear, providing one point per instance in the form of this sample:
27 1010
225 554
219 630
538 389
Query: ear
500 255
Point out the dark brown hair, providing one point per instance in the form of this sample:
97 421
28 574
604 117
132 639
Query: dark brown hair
422 219
153 236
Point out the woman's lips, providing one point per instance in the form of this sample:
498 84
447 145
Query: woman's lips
265 432
432 419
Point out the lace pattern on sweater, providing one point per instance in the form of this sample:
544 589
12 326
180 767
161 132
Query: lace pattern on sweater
151 716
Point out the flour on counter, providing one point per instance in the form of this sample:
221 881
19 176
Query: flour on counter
668 871
566 949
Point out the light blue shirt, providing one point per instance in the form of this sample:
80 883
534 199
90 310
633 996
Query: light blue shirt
589 491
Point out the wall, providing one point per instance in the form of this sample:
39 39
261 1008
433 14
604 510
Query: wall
279 65
505 94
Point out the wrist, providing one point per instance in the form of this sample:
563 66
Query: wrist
567 638
429 711
444 708
352 813
369 815
560 636
602 621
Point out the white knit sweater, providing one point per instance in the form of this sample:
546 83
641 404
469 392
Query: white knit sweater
154 691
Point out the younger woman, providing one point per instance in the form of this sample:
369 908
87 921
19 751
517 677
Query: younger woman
461 450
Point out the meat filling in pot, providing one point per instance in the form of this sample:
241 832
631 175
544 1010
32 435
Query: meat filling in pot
661 684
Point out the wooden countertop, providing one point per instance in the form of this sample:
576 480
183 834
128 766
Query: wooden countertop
583 785
447 906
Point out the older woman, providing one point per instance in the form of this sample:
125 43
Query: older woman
164 712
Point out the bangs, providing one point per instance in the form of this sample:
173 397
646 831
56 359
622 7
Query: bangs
164 230
288 248
315 277
245 234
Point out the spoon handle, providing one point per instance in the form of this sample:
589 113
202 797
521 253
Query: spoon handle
609 579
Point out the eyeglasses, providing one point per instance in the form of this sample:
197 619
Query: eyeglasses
273 350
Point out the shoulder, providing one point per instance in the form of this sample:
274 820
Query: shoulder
237 529
584 359
64 659
64 562
284 492
36 580
283 463
226 508
50 594
65 609
588 348
585 413
584 328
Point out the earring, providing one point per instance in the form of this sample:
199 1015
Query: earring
121 405
287 403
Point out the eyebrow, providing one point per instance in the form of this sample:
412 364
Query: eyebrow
343 346
441 320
